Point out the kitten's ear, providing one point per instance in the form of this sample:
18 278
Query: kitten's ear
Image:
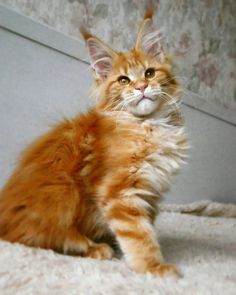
101 56
148 39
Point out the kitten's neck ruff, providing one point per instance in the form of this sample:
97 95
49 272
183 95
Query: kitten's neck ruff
168 116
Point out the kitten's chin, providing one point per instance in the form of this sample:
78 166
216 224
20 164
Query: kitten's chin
144 108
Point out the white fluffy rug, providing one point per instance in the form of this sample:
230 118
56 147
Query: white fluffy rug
204 248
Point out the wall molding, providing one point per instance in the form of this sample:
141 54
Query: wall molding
24 26
42 34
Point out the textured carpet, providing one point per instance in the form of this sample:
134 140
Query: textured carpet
204 248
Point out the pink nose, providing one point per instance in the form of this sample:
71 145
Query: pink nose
141 87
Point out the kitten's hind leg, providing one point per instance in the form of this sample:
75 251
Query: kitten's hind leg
78 244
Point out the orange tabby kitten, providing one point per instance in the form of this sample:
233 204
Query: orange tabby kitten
102 173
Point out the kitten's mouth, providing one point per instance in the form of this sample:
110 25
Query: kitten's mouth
143 98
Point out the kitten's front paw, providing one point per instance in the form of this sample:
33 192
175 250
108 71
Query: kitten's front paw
100 251
164 269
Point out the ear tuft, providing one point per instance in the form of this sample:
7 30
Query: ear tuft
149 11
86 34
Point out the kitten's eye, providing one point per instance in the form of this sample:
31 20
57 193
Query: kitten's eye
150 73
123 80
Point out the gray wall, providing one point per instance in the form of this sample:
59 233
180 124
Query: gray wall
201 33
39 85
211 169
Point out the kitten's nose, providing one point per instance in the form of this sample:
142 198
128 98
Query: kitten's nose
141 87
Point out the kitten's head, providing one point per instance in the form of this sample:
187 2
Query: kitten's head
139 81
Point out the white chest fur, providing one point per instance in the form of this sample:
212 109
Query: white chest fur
158 149
161 164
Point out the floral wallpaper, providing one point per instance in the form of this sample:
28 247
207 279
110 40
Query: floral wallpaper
200 33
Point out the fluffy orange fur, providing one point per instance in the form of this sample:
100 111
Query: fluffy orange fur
99 176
